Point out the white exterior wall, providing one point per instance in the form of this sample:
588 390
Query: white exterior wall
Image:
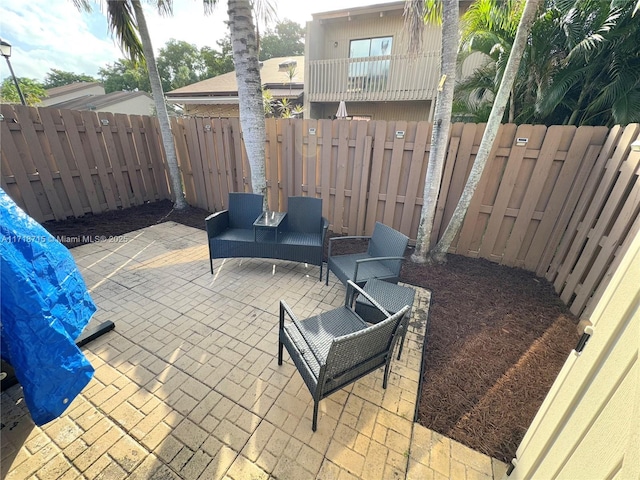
588 426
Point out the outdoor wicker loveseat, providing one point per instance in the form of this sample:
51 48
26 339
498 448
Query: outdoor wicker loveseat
297 236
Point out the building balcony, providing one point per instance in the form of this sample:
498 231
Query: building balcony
381 78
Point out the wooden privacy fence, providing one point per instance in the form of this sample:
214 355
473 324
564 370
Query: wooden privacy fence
560 201
63 163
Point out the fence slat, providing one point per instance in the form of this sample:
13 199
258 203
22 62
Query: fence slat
560 192
394 175
423 134
143 158
475 222
445 183
358 178
272 168
341 175
534 189
37 155
596 202
311 155
156 152
71 128
177 127
89 119
51 132
114 159
325 129
507 184
376 175
122 122
627 173
20 174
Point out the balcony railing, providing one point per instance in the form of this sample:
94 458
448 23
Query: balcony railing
382 78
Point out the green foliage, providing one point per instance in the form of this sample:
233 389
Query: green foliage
286 40
125 75
581 66
216 62
58 78
179 63
32 90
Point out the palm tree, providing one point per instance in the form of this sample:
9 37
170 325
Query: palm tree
416 13
245 56
491 130
128 23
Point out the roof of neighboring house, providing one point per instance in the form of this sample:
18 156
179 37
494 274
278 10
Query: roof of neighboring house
95 102
72 87
273 74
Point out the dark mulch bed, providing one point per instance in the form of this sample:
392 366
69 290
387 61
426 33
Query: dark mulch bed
497 336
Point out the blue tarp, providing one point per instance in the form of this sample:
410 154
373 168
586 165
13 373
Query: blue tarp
45 307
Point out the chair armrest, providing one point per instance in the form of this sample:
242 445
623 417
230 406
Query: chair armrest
372 259
353 288
217 223
284 308
350 237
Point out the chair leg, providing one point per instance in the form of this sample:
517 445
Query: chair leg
386 374
320 271
280 345
211 264
326 282
404 333
314 424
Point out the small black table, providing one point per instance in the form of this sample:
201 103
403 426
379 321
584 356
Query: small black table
269 221
391 297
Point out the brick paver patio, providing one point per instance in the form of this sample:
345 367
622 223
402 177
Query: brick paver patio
188 386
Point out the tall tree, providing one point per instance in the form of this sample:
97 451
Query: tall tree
58 78
32 90
286 39
415 17
126 75
490 131
179 63
216 62
127 21
245 55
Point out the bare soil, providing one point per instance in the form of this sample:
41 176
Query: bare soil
496 341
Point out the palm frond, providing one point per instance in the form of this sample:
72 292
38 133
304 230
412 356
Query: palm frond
123 25
209 6
413 14
83 5
165 7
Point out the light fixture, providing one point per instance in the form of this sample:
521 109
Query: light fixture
104 122
5 51
635 146
521 142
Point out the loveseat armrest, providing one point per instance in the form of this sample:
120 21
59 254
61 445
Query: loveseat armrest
217 223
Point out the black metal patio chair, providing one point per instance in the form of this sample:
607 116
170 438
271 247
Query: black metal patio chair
336 348
382 260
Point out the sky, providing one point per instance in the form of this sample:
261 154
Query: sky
49 34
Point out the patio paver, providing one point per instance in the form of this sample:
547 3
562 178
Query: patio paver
188 386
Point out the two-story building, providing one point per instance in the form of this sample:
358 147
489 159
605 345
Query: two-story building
361 55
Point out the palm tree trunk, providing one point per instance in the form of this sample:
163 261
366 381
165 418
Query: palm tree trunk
440 132
161 108
245 57
490 132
